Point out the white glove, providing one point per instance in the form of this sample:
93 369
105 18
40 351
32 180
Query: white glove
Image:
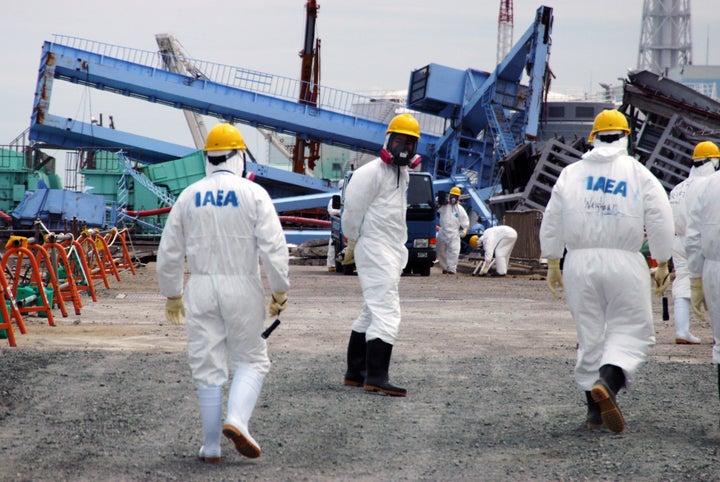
554 277
278 302
174 309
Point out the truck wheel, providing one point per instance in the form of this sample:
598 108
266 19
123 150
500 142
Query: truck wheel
348 269
424 270
338 267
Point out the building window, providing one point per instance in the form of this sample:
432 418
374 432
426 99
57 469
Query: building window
584 112
556 111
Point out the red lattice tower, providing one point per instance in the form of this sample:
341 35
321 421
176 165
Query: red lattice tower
505 29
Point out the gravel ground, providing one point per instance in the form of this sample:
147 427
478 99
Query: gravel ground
487 362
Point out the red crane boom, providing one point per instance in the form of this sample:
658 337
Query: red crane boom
307 149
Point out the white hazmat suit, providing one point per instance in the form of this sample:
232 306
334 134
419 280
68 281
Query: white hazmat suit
374 213
597 210
453 222
498 243
681 285
331 247
702 245
223 226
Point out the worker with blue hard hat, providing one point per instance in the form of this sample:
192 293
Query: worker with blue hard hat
454 224
224 227
373 220
599 210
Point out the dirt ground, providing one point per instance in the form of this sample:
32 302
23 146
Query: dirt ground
107 395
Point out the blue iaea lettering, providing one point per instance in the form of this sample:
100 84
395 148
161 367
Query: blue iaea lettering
606 185
218 199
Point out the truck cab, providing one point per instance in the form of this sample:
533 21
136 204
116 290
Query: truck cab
421 218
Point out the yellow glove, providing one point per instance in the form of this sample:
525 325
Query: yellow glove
349 252
174 308
278 303
554 277
697 297
662 278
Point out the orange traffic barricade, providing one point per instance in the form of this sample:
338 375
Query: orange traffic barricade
114 236
9 310
20 253
80 267
67 289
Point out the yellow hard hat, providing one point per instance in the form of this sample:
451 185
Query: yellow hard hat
705 150
404 124
609 120
455 191
474 241
224 137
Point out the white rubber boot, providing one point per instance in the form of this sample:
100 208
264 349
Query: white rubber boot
682 323
244 392
211 417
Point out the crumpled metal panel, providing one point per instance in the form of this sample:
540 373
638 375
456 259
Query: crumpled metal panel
57 208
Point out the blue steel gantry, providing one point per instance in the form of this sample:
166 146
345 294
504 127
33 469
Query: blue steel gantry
470 119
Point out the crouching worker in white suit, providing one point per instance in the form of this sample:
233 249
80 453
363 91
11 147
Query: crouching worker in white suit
498 243
224 225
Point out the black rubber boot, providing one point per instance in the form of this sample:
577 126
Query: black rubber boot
613 376
612 379
378 363
593 420
357 348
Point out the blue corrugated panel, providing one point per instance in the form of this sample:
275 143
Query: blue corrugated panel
56 208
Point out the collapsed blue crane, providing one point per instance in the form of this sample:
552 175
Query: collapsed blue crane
470 119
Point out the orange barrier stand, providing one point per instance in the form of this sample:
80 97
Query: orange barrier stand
43 256
6 295
94 259
66 291
19 253
126 261
81 271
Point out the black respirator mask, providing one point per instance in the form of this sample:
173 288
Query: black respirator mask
402 152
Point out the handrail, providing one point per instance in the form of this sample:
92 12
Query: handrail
285 88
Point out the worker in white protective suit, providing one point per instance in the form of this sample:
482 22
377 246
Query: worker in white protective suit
706 157
597 211
702 245
223 226
497 243
333 209
373 221
454 223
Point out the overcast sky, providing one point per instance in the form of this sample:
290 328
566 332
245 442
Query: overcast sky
367 45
